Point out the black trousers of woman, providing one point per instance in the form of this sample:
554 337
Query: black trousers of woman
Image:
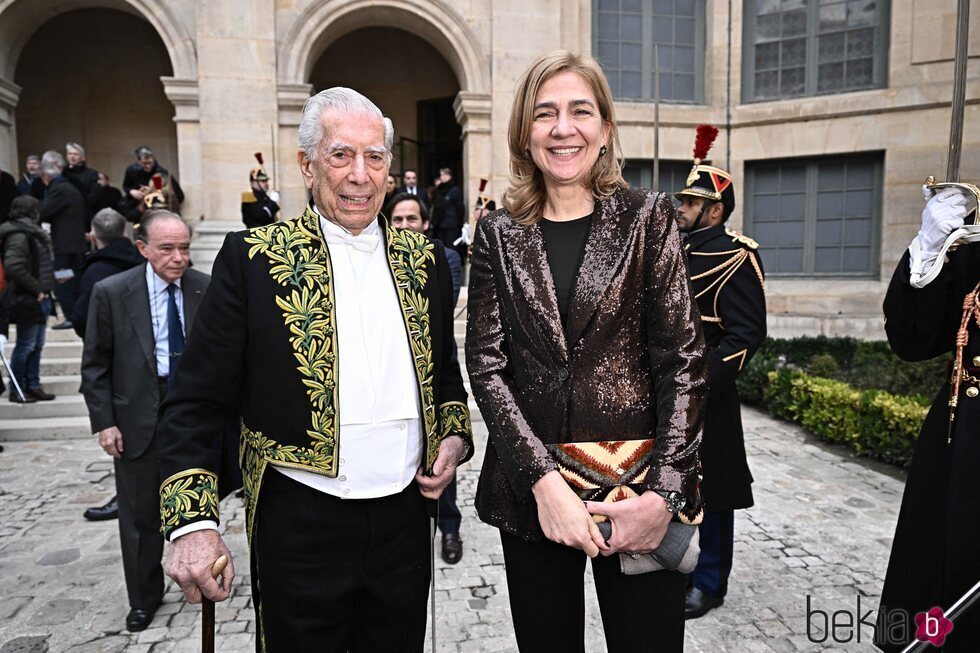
339 575
546 582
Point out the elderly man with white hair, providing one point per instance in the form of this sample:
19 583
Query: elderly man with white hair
331 336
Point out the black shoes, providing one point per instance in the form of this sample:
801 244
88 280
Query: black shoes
138 620
697 603
64 325
108 511
452 548
39 394
28 398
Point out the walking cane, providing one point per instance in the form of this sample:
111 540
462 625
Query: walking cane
207 609
10 375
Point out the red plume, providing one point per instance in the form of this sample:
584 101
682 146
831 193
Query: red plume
702 142
157 182
483 184
258 157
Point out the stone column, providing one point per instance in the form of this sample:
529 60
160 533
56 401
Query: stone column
236 56
291 98
183 93
9 96
473 115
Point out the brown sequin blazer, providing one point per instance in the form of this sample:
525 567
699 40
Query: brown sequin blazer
629 365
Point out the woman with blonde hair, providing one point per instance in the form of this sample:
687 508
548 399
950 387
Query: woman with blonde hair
582 329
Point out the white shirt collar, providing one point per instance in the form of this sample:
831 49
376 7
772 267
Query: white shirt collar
332 227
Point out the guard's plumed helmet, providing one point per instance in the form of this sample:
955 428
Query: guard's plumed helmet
258 172
707 181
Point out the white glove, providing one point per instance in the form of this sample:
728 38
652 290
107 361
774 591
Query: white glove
944 213
3 341
274 196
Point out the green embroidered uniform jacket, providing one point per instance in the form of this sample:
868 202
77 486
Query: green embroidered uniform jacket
265 347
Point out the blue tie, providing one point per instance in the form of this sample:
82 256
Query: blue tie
175 333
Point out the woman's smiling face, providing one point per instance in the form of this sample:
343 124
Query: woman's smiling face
567 130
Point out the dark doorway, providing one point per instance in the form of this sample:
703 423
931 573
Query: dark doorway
440 142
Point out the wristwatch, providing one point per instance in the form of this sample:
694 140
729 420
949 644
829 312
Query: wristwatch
675 500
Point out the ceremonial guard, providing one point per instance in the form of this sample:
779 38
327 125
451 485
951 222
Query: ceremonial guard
260 206
727 279
932 308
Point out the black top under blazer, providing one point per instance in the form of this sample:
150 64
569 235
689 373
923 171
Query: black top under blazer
631 366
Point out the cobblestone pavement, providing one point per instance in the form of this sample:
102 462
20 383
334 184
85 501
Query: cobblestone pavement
821 527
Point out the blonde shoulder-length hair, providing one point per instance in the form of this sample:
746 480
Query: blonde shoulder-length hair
525 198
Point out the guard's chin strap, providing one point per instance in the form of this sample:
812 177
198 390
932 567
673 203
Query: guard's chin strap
697 220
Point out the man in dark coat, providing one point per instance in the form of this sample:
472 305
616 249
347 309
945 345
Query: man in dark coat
137 180
726 275
114 253
109 195
448 212
352 421
86 179
934 558
8 191
137 324
32 170
64 209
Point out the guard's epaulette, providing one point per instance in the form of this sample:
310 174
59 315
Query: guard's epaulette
248 197
739 238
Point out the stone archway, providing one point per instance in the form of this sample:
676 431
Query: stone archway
21 19
323 22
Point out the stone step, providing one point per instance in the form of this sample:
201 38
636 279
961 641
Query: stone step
51 335
56 349
68 366
68 405
67 384
45 428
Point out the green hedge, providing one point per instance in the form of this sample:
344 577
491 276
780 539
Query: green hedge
845 391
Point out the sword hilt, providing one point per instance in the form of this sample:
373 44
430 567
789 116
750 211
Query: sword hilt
934 185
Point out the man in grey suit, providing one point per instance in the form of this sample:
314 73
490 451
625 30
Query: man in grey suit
137 323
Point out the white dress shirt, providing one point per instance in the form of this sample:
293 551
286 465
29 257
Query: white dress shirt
159 307
380 438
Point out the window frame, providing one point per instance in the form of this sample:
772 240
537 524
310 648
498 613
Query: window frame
879 66
646 48
875 157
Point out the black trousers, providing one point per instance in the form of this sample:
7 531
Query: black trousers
449 516
339 575
546 583
138 492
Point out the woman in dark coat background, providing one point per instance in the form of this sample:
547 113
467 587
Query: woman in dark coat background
28 265
581 328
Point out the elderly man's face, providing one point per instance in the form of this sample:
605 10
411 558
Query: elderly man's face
348 172
147 162
74 156
168 249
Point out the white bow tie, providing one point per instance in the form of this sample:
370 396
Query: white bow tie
362 242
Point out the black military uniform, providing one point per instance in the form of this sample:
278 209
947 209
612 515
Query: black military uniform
258 209
729 286
935 556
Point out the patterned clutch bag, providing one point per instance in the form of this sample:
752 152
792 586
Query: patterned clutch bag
611 470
